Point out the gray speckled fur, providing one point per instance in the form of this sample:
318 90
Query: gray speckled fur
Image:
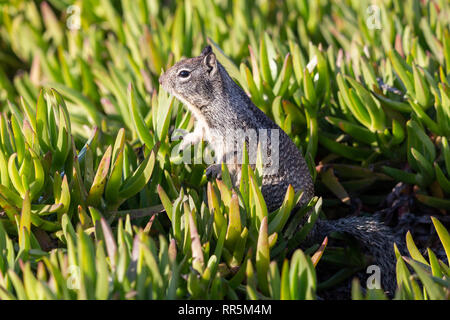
219 104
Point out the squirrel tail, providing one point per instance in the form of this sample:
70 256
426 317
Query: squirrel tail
375 238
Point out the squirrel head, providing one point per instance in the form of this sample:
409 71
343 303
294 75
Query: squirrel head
194 81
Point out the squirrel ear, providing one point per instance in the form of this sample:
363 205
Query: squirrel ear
210 61
206 50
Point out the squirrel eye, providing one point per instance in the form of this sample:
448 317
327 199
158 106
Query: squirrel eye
184 73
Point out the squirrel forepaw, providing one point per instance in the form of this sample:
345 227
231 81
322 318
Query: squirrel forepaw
214 171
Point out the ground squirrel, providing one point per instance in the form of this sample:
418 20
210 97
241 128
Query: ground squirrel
224 113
